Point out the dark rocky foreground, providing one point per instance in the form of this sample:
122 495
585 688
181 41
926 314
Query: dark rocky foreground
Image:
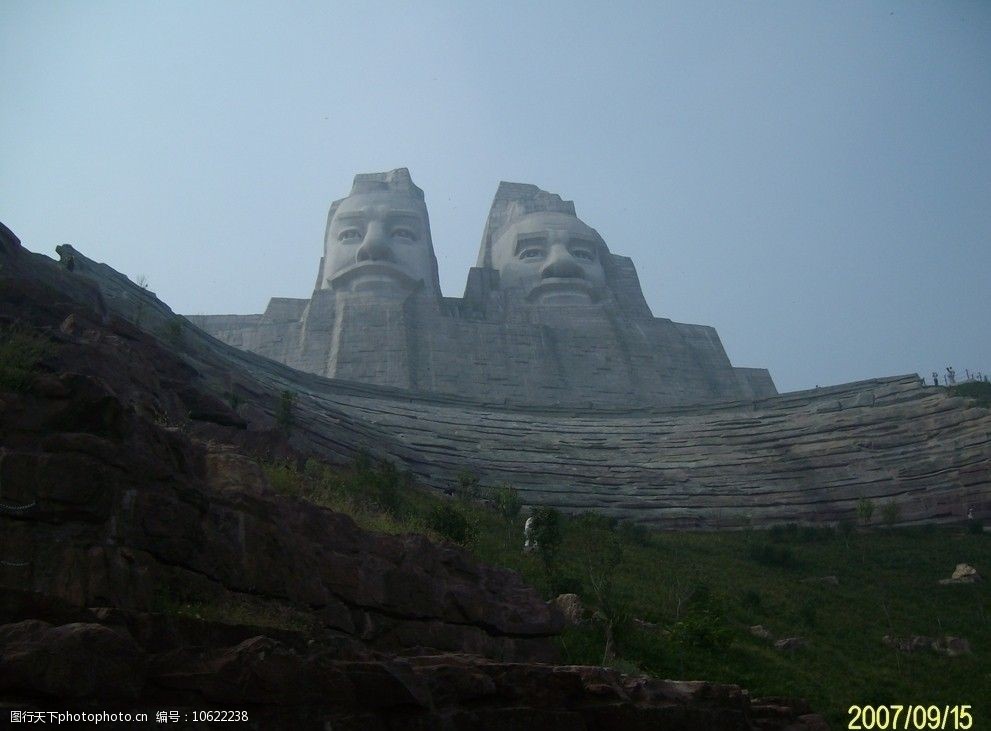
128 485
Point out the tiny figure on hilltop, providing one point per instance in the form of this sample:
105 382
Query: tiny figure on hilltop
935 379
951 376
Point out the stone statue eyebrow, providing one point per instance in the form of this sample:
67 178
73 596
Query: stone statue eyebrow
530 240
360 215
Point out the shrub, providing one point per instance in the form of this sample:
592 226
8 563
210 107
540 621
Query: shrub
751 600
173 330
386 482
20 353
507 501
562 584
546 531
890 513
284 413
595 521
975 526
467 485
452 524
977 390
865 510
845 527
362 461
284 478
705 629
636 534
768 555
807 613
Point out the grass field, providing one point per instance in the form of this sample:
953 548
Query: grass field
701 592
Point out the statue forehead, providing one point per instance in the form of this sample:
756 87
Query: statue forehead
549 220
380 201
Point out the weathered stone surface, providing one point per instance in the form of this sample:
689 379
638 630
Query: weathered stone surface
571 607
962 574
759 630
791 644
76 660
951 646
549 315
945 645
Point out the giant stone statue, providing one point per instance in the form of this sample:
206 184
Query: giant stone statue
549 316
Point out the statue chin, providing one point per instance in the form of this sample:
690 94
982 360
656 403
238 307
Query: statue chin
563 291
375 276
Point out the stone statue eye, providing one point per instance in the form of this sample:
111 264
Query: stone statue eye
350 235
531 254
582 254
404 233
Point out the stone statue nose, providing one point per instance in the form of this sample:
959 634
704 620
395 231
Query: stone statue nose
375 247
562 264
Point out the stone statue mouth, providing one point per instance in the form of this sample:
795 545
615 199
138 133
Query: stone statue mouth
372 275
565 289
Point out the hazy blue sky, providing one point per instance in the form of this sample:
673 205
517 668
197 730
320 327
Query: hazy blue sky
813 179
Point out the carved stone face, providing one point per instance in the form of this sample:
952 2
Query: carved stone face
550 258
378 240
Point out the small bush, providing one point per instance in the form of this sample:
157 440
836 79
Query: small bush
507 501
561 584
283 478
975 526
768 555
547 533
284 413
385 481
635 534
752 600
704 629
467 488
865 510
890 513
783 533
452 524
594 521
20 353
173 331
845 527
977 390
807 613
362 461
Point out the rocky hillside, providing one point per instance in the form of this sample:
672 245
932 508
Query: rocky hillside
129 491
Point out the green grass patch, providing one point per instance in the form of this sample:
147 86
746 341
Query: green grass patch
977 390
701 592
21 351
236 610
